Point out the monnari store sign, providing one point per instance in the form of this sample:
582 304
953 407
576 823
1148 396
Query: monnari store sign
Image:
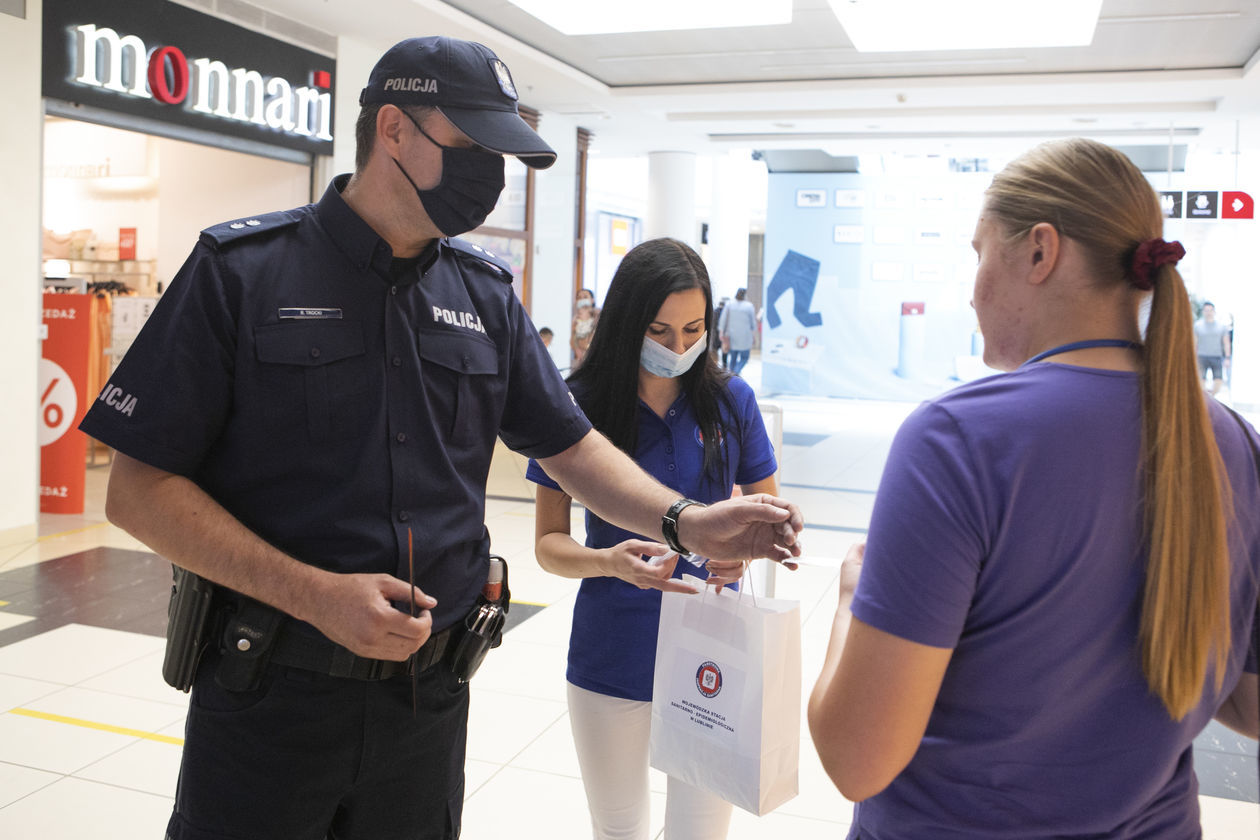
162 61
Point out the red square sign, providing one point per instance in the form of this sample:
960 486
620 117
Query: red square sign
1237 205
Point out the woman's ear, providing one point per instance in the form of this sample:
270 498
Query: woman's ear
1043 251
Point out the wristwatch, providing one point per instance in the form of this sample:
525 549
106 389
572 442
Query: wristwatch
669 524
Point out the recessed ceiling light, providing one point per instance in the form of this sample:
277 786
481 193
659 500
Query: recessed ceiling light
584 17
908 25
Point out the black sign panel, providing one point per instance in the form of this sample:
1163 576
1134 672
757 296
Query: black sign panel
1201 205
1170 202
162 61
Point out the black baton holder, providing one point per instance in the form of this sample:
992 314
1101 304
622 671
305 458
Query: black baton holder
482 631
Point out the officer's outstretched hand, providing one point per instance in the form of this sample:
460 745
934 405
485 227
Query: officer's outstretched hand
358 612
744 528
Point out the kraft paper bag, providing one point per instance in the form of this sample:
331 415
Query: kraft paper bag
726 702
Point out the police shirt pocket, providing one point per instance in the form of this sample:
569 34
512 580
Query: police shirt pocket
312 353
460 377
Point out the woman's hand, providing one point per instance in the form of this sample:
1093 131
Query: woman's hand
722 572
850 572
625 561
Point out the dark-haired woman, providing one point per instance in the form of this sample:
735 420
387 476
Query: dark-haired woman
648 384
1060 576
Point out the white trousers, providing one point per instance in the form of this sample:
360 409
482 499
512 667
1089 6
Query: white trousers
611 735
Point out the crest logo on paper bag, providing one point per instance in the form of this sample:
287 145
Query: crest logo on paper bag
709 679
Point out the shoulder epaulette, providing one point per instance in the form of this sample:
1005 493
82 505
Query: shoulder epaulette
476 252
238 229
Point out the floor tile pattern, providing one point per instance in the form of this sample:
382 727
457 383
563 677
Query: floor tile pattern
90 735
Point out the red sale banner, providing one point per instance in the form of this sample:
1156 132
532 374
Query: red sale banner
63 375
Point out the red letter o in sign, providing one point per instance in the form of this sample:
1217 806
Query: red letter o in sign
178 88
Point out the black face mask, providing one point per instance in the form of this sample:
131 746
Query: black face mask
472 180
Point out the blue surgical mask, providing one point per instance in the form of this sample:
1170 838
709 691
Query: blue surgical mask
659 360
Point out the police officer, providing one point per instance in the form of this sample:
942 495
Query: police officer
312 410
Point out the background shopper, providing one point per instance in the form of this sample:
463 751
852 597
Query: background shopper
585 319
1213 346
738 328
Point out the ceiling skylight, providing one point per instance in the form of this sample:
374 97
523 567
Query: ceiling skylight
929 25
591 17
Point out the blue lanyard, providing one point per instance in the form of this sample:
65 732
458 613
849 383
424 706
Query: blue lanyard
1081 345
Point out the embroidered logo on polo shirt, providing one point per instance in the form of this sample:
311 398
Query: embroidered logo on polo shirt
464 320
700 437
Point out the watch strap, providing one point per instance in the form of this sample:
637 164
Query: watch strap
669 524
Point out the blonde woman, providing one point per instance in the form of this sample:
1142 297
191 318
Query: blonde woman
1059 582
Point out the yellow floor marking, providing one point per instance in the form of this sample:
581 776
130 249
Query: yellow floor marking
103 727
72 531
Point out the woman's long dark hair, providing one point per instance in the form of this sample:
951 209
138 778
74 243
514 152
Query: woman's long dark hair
607 382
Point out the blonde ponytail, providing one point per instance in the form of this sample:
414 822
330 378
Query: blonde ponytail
1185 603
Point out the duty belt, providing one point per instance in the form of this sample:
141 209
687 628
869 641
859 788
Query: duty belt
323 656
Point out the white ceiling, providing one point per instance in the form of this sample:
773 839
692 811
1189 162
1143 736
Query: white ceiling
1156 69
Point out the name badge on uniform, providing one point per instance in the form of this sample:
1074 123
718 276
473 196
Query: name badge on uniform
308 313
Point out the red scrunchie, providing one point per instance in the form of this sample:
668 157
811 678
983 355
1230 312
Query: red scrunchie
1149 256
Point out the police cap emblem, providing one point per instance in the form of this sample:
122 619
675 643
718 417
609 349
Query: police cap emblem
505 78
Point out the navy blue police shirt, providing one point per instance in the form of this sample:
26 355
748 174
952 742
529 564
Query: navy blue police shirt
330 408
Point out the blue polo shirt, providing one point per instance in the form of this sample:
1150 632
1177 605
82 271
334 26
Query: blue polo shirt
612 647
332 406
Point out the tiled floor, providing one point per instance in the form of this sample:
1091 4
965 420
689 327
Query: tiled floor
90 735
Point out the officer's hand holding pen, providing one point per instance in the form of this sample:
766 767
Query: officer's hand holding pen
358 612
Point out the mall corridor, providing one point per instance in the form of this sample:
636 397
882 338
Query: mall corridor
90 736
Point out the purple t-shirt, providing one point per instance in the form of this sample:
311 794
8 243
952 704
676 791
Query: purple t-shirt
1008 527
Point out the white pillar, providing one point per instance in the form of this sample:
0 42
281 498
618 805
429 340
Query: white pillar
551 298
355 60
730 218
672 197
21 171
